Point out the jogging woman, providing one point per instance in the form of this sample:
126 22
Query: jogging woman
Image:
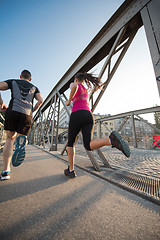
82 119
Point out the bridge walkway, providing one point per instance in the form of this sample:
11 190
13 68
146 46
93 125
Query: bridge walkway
39 202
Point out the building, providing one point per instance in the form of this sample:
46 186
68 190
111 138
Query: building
103 129
143 132
63 118
141 127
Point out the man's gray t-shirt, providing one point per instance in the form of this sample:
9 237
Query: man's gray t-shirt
22 95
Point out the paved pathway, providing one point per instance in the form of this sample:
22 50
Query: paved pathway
39 202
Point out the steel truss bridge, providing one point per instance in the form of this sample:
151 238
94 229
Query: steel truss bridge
113 40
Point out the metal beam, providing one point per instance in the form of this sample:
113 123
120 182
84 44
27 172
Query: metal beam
127 15
122 115
151 20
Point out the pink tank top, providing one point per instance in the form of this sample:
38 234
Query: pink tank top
81 99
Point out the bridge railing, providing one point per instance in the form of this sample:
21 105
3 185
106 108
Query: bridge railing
2 132
134 127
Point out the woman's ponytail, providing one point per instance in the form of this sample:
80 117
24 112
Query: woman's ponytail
90 79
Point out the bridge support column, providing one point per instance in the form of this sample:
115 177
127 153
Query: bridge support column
151 20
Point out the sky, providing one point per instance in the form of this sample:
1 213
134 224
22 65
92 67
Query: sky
47 36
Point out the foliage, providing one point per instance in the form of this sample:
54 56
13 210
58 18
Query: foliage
157 119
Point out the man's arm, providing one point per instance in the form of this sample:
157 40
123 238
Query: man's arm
39 99
3 87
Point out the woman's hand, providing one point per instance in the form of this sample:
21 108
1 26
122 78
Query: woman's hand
67 103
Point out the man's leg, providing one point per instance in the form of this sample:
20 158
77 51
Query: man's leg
8 150
23 138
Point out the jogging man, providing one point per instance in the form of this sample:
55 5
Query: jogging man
18 117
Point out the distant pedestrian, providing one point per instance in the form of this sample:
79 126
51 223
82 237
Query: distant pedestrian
18 118
82 119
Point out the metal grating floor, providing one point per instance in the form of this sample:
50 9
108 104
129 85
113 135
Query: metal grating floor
143 185
146 185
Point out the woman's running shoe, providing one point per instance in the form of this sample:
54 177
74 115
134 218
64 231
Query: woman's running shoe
68 173
119 143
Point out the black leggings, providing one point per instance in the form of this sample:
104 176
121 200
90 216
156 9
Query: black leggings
81 120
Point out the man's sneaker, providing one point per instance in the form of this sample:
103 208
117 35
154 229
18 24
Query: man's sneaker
71 174
119 143
5 175
19 153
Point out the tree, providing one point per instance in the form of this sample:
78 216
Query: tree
157 119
